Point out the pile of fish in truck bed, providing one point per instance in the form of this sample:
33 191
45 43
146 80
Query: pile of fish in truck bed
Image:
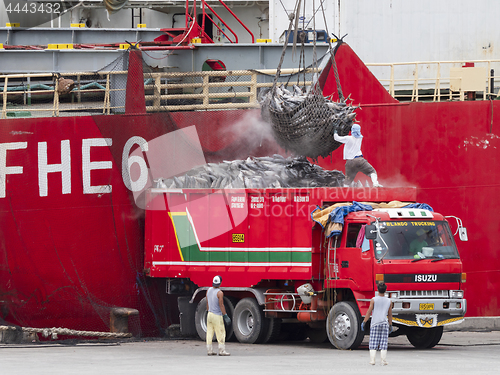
305 123
256 173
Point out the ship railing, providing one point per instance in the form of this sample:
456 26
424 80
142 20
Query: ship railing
36 94
212 89
221 30
439 80
104 93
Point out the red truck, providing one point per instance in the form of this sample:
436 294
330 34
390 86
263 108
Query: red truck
305 262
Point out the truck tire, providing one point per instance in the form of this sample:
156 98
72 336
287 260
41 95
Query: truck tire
437 338
230 305
343 326
200 319
249 323
273 331
425 338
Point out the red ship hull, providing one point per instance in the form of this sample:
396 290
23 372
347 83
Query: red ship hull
69 256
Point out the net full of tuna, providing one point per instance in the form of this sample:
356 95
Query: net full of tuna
305 123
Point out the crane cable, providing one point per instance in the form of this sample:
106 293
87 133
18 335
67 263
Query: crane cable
291 17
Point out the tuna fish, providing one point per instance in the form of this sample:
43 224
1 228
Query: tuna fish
265 172
305 123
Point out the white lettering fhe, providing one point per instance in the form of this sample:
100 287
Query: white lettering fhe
65 166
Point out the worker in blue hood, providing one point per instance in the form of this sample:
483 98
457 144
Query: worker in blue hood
354 160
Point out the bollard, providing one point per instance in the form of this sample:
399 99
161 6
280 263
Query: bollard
119 319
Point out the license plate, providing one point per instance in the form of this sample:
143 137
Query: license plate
426 306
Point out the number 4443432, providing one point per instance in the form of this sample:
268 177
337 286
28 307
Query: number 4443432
33 8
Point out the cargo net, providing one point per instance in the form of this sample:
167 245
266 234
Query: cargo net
305 123
79 93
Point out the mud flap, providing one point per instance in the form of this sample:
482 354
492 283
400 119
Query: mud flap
186 316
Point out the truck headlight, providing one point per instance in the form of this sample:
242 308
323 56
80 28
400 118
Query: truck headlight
456 294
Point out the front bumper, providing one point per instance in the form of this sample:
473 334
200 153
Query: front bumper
428 312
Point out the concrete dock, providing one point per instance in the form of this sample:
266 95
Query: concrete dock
458 352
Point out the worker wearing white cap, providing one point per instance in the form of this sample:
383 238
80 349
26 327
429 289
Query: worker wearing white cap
354 160
216 317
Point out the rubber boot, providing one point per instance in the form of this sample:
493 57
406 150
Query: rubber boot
222 350
374 178
372 356
383 356
210 350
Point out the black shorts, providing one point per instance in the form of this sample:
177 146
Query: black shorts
353 166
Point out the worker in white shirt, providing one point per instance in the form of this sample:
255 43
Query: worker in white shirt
354 160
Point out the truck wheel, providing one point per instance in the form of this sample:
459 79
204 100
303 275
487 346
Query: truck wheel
343 326
249 324
273 331
230 304
425 338
200 318
437 338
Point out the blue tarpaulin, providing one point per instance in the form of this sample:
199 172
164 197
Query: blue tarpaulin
338 214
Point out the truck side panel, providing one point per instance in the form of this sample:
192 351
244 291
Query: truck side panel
245 236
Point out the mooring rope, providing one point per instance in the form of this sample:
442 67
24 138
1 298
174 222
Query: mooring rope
54 332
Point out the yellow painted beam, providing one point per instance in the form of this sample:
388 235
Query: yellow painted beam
60 46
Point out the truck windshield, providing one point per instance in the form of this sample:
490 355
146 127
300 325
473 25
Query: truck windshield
412 239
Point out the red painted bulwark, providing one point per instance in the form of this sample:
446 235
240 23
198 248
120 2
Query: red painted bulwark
357 82
135 103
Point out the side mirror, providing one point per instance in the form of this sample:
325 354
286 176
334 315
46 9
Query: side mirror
462 233
370 232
